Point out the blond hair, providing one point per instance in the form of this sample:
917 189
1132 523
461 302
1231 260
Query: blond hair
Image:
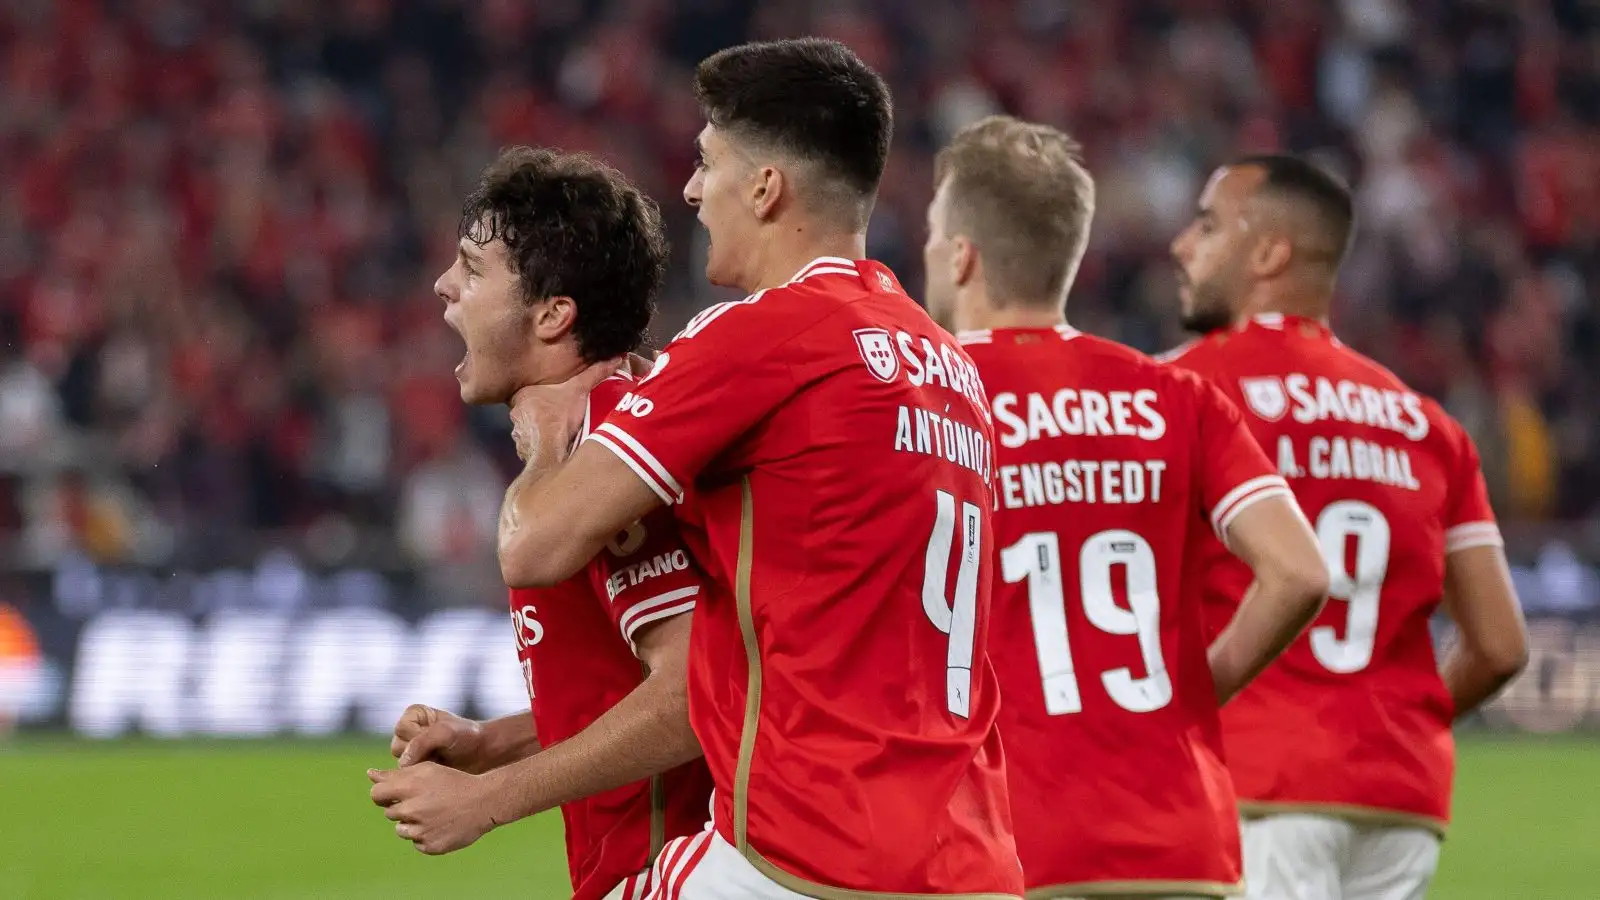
1020 192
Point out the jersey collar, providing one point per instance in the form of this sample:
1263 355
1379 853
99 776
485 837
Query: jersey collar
987 336
1285 322
825 265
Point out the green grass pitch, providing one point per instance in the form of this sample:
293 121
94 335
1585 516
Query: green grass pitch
285 821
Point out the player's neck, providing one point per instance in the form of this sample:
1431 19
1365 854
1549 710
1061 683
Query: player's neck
1013 315
1299 301
782 260
553 367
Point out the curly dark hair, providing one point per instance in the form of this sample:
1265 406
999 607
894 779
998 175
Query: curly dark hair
574 227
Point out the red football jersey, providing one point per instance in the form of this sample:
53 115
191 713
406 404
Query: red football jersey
1354 718
1111 469
574 641
839 448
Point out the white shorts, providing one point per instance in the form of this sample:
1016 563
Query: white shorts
1312 857
635 887
706 867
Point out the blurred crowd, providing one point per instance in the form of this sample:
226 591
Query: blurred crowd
222 221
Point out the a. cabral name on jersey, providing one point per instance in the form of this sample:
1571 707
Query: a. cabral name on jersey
1322 399
1077 412
1334 458
661 564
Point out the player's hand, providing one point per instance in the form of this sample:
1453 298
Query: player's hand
551 414
425 733
437 809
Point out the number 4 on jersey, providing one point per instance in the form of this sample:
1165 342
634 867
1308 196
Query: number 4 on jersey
957 617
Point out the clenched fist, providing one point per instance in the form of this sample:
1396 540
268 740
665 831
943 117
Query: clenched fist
424 733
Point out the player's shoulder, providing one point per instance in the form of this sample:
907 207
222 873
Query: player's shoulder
1202 354
777 313
606 396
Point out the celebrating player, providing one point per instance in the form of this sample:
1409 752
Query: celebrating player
1341 751
1110 468
835 449
555 277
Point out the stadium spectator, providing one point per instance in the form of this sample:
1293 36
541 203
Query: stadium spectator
215 253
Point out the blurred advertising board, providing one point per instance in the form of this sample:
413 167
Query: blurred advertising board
280 650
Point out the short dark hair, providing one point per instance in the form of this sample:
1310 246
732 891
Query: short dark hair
1302 182
811 97
1020 192
574 227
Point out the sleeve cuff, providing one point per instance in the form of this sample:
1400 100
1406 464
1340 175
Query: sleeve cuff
663 606
1472 534
1243 497
641 461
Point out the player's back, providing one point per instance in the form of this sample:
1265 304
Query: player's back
1354 718
574 642
839 449
1110 468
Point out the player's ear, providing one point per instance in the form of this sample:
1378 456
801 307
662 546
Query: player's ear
553 318
963 261
1271 255
767 188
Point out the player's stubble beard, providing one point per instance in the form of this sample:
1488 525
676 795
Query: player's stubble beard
1209 309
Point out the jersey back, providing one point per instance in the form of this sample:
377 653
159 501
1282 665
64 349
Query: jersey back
1110 469
1354 718
839 449
575 643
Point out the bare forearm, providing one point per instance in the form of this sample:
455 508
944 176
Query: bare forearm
643 735
1492 644
1260 632
532 550
508 739
1471 678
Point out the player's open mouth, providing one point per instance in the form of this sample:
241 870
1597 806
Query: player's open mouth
466 354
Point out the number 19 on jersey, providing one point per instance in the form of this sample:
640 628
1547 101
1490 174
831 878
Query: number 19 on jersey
1037 558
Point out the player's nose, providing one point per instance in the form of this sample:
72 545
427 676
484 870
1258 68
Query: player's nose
1179 248
691 190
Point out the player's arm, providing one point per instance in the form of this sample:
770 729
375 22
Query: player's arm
1478 594
645 734
705 390
425 733
1273 538
560 511
1493 643
1254 513
508 739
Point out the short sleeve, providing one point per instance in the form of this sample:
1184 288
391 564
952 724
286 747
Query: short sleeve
1468 518
645 575
1234 473
718 378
